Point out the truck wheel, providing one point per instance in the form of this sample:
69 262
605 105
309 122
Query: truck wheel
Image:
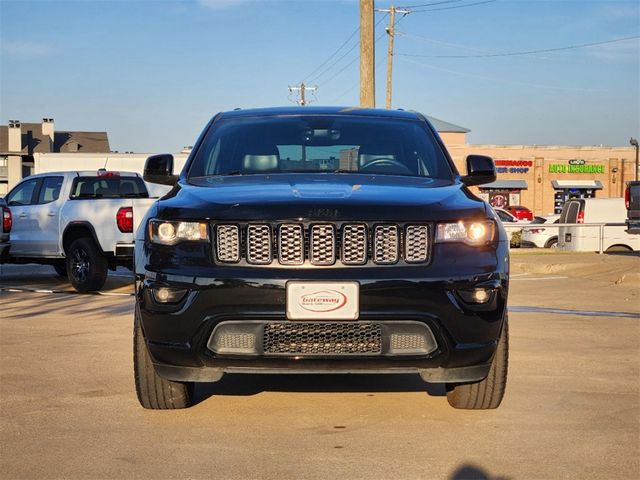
61 269
486 393
155 392
86 266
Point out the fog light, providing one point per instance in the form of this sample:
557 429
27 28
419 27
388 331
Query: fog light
168 295
480 296
477 295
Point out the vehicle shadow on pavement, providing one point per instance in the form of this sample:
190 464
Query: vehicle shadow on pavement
246 385
473 472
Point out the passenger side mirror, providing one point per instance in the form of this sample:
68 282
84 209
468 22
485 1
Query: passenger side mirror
159 169
480 170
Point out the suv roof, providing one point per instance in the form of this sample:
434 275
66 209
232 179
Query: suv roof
355 111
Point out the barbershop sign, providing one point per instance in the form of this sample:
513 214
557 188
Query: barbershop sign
513 166
575 166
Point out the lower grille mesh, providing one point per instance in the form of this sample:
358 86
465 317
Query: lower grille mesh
327 338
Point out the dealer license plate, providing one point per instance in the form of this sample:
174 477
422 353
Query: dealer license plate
323 300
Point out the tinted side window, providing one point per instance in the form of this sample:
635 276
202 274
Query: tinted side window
50 190
504 217
23 193
572 212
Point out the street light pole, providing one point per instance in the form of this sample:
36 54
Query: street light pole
634 143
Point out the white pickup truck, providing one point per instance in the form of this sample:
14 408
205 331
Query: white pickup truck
81 223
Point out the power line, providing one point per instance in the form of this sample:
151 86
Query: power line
525 52
319 75
440 42
348 90
503 80
334 53
355 59
455 6
430 4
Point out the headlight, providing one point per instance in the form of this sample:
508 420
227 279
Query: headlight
472 233
170 233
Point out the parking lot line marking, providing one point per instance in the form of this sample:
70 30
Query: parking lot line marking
519 274
541 278
563 311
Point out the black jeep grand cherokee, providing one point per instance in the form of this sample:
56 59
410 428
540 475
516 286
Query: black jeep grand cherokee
320 240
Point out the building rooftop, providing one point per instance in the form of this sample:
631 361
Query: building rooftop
34 141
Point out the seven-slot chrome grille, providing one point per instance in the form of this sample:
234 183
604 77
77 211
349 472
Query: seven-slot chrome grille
321 244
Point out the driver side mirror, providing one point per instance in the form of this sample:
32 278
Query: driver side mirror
159 169
480 170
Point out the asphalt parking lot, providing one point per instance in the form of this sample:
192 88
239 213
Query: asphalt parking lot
572 407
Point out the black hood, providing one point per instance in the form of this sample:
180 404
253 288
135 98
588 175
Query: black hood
321 196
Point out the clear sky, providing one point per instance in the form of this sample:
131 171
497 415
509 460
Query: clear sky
151 73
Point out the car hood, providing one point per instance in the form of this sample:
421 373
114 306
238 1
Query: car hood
321 197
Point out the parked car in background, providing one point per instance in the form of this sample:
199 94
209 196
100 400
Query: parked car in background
6 229
509 219
595 211
632 202
520 212
536 235
81 223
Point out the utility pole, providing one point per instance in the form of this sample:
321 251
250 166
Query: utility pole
367 55
391 32
634 143
302 89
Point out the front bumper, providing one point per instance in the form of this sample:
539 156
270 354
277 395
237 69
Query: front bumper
181 338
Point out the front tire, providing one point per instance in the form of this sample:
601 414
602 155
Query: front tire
552 243
487 393
155 392
86 266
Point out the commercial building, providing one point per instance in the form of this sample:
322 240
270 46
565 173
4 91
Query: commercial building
542 178
20 141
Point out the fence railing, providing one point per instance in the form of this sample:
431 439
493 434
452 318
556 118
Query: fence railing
532 226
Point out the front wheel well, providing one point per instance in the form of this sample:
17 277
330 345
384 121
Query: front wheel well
619 247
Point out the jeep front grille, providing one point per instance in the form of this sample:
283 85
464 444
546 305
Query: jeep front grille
228 243
385 244
291 244
259 244
354 244
416 243
322 244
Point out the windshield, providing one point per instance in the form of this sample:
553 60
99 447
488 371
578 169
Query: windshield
320 144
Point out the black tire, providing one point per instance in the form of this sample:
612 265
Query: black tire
61 269
487 393
86 266
155 392
552 243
